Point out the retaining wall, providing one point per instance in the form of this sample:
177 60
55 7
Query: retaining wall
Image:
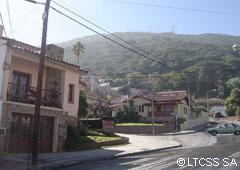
169 127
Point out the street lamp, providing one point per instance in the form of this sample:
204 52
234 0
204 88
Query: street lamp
207 97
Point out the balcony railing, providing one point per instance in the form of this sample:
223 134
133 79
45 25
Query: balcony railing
24 94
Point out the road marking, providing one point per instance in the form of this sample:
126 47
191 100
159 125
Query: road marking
235 155
162 163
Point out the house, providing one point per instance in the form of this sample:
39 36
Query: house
59 104
139 105
218 109
168 107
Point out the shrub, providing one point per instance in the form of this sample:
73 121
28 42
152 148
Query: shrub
93 123
218 115
73 139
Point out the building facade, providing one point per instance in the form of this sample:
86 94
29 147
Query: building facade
59 104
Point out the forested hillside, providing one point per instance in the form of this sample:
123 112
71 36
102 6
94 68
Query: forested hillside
205 61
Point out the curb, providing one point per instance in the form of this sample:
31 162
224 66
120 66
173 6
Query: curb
172 134
56 166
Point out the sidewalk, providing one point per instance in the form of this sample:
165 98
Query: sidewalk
188 131
138 144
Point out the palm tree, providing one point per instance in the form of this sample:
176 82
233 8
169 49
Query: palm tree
77 49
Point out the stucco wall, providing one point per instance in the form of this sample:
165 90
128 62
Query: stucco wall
140 102
3 49
25 64
189 123
71 78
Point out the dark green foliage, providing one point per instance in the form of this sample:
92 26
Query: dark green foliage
128 115
73 139
233 102
206 60
109 118
218 115
124 89
83 105
93 123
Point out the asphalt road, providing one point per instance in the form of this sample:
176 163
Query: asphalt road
200 151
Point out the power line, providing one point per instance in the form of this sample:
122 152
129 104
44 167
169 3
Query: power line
175 8
148 53
112 39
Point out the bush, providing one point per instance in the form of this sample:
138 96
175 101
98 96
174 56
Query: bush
93 123
73 139
218 115
129 117
109 118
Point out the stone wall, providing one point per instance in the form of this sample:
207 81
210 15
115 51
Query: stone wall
61 121
169 127
2 144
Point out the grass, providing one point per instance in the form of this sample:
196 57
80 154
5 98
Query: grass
103 139
138 124
84 148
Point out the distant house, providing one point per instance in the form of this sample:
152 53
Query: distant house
168 107
218 109
139 105
60 93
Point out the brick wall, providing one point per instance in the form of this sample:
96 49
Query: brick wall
230 118
168 127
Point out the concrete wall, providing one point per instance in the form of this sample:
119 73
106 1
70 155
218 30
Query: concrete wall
168 127
3 49
189 123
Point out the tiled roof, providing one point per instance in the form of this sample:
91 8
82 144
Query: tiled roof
169 98
23 46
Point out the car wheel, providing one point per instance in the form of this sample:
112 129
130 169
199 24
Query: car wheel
237 133
214 133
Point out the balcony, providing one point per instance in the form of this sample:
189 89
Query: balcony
25 94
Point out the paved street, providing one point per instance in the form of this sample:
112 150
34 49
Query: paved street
196 146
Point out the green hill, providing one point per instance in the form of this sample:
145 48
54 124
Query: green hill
207 61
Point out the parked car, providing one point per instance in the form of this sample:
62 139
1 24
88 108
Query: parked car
225 128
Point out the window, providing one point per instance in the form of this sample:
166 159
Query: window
20 82
140 108
25 127
47 128
71 93
14 126
167 108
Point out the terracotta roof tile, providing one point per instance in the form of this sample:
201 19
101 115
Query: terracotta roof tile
30 49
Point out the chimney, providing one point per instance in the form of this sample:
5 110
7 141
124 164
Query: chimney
1 31
55 51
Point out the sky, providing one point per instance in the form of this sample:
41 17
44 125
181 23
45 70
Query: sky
23 20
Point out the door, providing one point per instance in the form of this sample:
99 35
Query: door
19 138
20 133
46 134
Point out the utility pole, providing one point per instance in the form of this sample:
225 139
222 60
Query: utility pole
190 110
153 130
39 86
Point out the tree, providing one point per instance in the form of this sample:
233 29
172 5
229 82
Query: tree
77 49
82 105
233 83
128 114
233 102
